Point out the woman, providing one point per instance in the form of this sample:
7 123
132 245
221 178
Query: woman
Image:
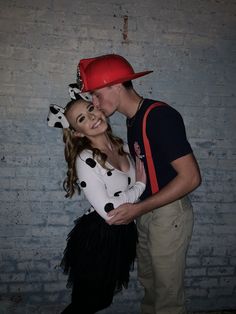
98 257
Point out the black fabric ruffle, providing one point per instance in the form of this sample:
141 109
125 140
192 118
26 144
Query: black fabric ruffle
98 258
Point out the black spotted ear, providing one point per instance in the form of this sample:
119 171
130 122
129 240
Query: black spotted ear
53 110
58 125
75 93
56 117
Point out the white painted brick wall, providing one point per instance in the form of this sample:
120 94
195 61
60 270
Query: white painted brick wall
191 46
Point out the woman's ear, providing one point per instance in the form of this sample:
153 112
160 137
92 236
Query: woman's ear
78 134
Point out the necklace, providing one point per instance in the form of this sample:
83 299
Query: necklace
108 147
130 121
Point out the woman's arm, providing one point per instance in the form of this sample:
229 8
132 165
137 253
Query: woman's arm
188 178
92 183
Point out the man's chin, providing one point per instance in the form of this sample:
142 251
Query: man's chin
108 114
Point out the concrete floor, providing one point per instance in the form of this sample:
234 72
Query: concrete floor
218 312
7 307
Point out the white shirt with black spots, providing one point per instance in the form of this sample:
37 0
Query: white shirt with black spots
106 189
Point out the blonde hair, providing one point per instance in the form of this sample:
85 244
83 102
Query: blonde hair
75 145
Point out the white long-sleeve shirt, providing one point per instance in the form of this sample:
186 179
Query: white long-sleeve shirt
106 189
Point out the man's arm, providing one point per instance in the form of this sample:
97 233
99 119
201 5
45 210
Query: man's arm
187 179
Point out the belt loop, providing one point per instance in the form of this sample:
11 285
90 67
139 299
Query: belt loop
179 202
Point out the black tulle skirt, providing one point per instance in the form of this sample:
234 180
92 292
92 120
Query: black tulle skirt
98 258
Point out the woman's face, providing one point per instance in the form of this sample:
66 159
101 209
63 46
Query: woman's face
86 119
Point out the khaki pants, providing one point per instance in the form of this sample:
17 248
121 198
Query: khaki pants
164 235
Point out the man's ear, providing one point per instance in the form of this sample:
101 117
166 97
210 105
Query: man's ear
117 86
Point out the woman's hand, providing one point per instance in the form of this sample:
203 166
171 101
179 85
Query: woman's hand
140 171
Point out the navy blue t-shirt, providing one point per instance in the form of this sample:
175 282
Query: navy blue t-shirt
167 138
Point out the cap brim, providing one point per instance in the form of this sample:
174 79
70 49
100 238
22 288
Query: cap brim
121 80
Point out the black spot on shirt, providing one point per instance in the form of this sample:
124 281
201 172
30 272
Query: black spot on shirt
83 184
117 193
109 173
129 180
108 207
91 162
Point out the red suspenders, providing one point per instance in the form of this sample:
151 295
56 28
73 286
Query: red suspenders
148 153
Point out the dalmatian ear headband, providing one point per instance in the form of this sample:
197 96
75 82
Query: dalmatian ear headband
75 93
56 117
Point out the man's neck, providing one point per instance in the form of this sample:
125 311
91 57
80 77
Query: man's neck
130 103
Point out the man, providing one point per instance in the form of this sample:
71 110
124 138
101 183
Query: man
164 214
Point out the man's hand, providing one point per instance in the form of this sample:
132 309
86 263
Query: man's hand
122 215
